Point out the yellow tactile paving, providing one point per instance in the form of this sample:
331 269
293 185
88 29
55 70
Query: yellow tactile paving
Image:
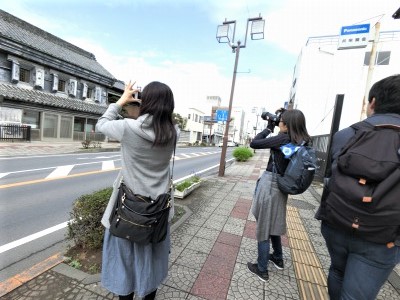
311 279
304 257
311 291
300 244
298 234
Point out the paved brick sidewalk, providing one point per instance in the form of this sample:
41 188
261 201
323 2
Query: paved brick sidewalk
211 246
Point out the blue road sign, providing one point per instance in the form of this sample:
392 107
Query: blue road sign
222 115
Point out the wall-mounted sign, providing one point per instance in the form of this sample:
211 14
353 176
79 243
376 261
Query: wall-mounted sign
354 36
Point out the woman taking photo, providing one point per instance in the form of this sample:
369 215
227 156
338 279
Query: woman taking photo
147 136
269 203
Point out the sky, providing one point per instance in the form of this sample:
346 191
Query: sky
174 41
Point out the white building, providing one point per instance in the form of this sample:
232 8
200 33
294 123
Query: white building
322 72
194 127
236 126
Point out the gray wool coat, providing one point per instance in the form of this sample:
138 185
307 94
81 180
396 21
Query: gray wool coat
145 169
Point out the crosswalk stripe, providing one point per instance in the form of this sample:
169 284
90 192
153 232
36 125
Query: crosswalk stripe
107 165
60 171
185 155
3 174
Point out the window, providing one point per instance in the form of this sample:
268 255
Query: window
61 85
24 75
66 127
90 93
50 125
188 116
382 58
31 118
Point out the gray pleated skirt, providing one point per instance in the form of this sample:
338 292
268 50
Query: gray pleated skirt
129 267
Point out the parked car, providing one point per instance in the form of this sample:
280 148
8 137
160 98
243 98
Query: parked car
229 144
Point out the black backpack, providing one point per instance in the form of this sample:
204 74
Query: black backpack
364 190
300 171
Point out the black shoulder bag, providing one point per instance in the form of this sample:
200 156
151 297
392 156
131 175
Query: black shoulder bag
141 219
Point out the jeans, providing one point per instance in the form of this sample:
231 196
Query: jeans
358 268
263 252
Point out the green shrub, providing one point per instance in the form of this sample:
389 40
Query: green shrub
242 153
86 144
187 183
86 230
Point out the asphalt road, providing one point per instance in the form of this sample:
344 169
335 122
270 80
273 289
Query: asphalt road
37 192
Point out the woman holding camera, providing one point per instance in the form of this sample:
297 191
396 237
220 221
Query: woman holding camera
269 203
147 137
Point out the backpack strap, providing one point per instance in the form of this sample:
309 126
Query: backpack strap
366 125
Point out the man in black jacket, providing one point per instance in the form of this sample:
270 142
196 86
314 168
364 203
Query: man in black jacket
359 267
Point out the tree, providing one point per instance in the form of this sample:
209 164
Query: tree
181 121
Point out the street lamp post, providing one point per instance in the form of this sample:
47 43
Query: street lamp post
223 36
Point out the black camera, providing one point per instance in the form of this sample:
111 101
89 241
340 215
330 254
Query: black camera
137 95
274 119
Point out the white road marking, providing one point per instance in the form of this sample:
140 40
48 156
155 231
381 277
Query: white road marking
3 174
47 231
60 171
32 237
108 165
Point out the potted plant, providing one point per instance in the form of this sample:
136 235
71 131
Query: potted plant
184 188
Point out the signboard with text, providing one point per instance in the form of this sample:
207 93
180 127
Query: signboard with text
222 115
354 36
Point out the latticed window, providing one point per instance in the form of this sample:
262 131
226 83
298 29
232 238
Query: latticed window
61 85
24 75
90 93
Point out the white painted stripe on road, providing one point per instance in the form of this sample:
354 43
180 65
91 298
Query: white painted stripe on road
3 174
107 165
32 237
185 155
47 231
41 169
60 171
195 154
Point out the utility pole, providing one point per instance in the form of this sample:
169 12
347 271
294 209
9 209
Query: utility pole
371 67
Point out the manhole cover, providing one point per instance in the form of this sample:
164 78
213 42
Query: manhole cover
300 204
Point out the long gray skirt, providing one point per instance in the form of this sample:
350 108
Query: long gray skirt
269 207
129 267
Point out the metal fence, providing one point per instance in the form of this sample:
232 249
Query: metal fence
91 136
15 132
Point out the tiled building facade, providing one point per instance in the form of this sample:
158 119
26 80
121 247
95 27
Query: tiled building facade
58 89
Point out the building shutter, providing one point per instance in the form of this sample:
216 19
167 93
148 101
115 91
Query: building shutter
84 90
54 88
97 94
15 72
72 87
39 77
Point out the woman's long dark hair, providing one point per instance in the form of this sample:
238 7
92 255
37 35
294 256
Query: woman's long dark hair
158 101
296 124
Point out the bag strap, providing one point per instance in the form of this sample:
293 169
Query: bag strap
366 125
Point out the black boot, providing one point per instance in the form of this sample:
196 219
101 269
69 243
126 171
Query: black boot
127 297
150 296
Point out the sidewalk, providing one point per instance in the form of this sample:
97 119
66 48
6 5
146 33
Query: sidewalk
44 148
211 246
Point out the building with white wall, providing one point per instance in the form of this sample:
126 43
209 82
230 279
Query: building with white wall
322 72
194 128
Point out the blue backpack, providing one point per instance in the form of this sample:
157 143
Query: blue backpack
300 171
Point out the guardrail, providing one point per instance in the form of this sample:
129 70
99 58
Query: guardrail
15 132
